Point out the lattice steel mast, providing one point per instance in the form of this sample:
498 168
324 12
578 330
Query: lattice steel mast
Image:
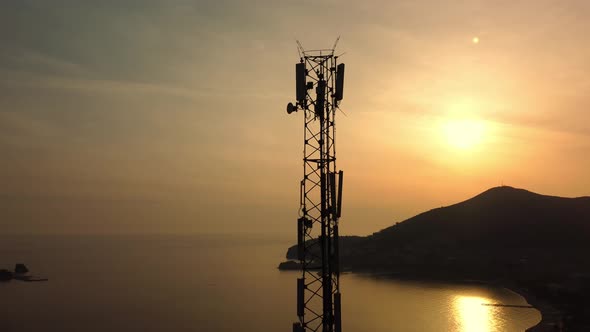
318 290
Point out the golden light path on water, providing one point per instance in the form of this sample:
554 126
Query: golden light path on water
472 316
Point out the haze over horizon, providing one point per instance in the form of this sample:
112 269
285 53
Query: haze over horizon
169 116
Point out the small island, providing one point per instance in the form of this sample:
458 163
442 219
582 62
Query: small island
20 273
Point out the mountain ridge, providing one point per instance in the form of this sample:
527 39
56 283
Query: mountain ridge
500 211
506 220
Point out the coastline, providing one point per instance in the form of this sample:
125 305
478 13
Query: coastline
550 317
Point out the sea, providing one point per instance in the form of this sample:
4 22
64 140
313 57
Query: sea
214 283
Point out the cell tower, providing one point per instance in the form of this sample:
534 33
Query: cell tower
319 90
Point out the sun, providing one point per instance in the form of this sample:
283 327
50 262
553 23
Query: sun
463 134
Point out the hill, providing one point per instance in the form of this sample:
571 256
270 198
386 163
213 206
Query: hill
536 244
499 217
503 225
501 230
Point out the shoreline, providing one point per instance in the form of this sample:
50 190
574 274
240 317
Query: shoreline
550 317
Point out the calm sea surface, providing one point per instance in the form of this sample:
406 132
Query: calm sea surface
217 283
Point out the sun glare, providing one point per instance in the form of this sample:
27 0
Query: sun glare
463 134
471 316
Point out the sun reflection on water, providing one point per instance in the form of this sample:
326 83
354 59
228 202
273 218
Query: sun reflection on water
471 316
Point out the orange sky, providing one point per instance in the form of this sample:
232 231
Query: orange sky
168 116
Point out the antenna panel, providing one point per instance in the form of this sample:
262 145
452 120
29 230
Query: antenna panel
300 81
300 297
339 203
339 82
321 98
